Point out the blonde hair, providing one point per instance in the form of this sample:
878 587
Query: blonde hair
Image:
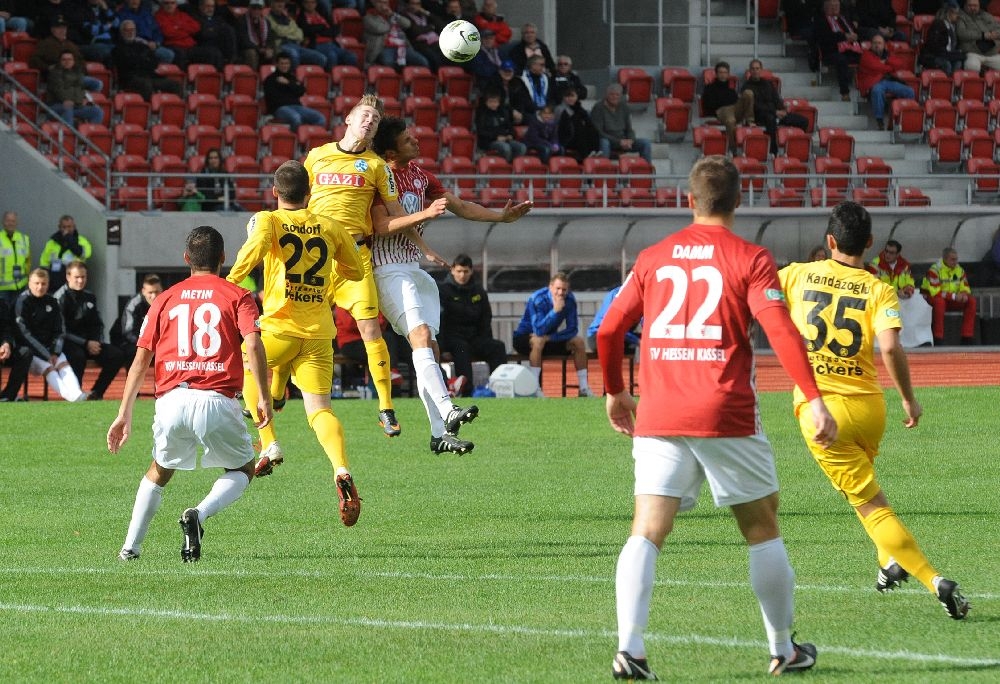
370 100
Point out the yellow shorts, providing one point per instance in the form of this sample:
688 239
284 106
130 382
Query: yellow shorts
311 361
848 462
359 297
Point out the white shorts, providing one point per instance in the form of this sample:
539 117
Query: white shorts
408 297
185 418
738 469
38 364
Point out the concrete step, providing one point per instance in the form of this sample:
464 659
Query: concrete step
889 151
849 122
740 53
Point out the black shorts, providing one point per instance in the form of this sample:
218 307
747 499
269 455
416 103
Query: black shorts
522 345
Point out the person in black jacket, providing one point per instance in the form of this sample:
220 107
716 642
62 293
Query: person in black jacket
495 128
768 107
40 326
85 331
125 330
282 94
136 61
720 99
577 133
940 49
13 355
466 322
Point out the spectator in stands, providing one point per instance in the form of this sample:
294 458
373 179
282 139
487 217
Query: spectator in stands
100 29
818 253
550 327
632 337
485 66
467 322
542 135
799 16
837 39
40 326
14 355
125 330
136 60
253 36
614 126
495 128
48 13
577 133
876 78
85 331
215 187
877 17
513 93
892 269
180 33
565 76
286 36
146 29
9 21
530 46
423 32
719 99
66 94
49 50
946 288
455 10
191 198
216 31
320 32
385 38
540 86
978 36
940 49
282 95
768 108
64 247
487 18
15 263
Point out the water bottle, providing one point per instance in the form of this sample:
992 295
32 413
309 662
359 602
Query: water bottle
338 390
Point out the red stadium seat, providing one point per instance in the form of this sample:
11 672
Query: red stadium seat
824 196
637 83
205 109
454 81
459 166
458 141
907 120
169 139
569 198
385 81
168 108
420 81
601 172
752 173
912 197
165 164
604 197
841 146
637 197
935 84
540 198
498 170
320 104
131 108
636 172
349 21
874 171
671 197
165 197
678 82
870 197
902 51
243 110
785 197
343 104
565 172
428 140
676 116
710 140
99 136
132 139
205 78
834 173
348 80
269 163
23 74
315 80
240 79
921 23
753 142
237 165
805 109
202 138
130 198
242 140
977 143
19 46
310 136
131 163
940 113
101 73
494 197
969 85
972 114
278 140
422 111
794 142
986 181
457 110
794 173
946 148
530 171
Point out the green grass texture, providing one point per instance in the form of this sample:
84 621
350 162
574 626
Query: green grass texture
497 566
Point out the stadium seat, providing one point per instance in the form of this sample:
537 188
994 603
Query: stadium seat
131 163
671 197
907 120
635 171
946 148
28 133
201 138
99 137
785 197
174 73
421 111
603 197
912 197
130 198
921 24
458 141
835 173
676 116
94 170
935 84
457 110
530 171
940 113
637 197
498 170
754 142
132 139
969 85
540 198
168 139
874 172
638 85
565 172
870 197
339 131
26 108
348 80
278 139
794 173
242 140
429 165
454 81
165 197
58 138
972 114
839 145
752 174
494 197
165 164
601 172
678 82
240 79
320 104
452 166
205 78
205 109
352 45
131 108
992 85
805 109
824 196
349 21
343 104
902 51
994 111
19 46
239 165
710 140
977 143
428 140
195 163
384 80
986 178
392 106
168 108
243 110
568 198
310 136
794 142
314 79
909 79
29 78
269 163
420 81
103 74
254 199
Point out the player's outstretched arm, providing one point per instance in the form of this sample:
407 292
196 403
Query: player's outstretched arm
471 211
121 428
390 217
894 358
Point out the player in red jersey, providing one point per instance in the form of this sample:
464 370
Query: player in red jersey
408 296
194 331
698 291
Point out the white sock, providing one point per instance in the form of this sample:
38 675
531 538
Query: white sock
429 374
433 415
537 372
68 385
227 489
773 581
147 501
633 591
581 379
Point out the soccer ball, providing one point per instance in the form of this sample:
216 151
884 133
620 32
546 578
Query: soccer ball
459 41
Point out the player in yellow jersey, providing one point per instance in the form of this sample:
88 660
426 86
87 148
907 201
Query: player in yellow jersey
345 177
302 253
841 310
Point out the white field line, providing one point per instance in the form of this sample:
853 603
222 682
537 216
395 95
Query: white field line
132 568
488 628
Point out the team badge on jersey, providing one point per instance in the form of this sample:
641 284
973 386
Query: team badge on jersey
411 202
774 295
361 165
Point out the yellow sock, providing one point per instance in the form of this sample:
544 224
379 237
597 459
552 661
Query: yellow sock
279 381
381 372
251 395
893 539
330 434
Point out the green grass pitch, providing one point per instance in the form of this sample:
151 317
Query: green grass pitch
493 567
